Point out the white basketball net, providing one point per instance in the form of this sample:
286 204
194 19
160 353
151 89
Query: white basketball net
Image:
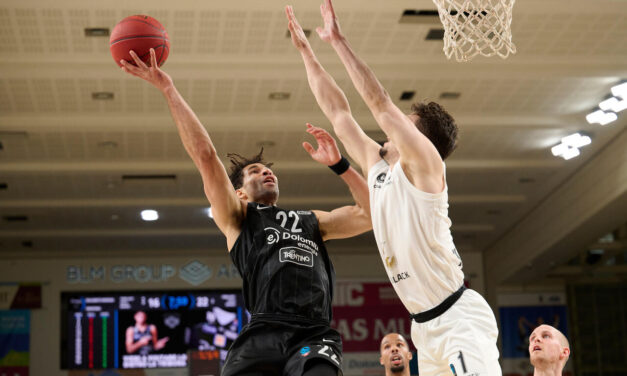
474 27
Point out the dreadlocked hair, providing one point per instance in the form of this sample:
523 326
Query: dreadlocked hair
238 163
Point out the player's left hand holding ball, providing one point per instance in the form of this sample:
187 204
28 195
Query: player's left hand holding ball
152 73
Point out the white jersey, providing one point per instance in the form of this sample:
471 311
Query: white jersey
412 229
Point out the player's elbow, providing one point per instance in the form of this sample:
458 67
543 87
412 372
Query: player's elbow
205 154
343 124
378 101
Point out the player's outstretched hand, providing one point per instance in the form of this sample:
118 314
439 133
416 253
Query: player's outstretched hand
327 153
299 39
151 73
331 30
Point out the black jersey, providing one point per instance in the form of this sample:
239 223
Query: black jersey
284 264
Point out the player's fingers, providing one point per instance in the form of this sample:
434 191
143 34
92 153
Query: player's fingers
128 67
310 149
317 133
290 13
153 58
137 60
329 6
311 127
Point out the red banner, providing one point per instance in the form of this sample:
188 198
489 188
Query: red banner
364 313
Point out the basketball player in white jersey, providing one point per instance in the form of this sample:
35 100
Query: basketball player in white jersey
549 351
453 328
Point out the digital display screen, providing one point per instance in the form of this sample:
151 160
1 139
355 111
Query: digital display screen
150 329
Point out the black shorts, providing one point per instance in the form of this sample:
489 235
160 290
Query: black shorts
265 348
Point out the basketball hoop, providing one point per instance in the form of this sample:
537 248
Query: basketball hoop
474 27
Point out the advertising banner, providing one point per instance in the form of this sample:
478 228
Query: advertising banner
20 295
14 342
364 313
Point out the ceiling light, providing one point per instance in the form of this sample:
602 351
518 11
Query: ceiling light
576 140
102 96
559 149
450 95
613 104
96 32
570 153
279 96
420 16
569 147
407 95
149 215
307 33
435 34
601 117
620 90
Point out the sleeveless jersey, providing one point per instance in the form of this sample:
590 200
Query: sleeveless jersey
412 230
139 334
284 264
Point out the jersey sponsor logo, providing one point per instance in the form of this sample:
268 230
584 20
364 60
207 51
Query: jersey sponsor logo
305 351
328 340
379 180
296 256
400 276
302 242
261 207
272 235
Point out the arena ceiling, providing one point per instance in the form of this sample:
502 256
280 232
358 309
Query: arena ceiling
77 165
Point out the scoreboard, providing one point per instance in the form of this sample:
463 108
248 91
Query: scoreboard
149 329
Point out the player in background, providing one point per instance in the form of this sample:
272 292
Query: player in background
395 355
549 351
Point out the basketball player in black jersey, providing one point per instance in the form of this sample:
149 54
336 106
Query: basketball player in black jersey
280 254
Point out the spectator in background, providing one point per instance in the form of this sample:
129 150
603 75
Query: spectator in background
548 350
395 355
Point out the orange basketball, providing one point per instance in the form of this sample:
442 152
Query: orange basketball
140 34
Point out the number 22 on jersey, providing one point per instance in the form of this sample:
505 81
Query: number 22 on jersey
283 217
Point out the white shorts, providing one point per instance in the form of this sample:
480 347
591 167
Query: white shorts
461 341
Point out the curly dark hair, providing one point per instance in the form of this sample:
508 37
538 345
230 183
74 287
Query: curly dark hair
238 163
438 125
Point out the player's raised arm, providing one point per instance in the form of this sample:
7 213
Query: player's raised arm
227 208
348 220
412 144
332 101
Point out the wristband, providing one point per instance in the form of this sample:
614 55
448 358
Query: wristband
341 166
